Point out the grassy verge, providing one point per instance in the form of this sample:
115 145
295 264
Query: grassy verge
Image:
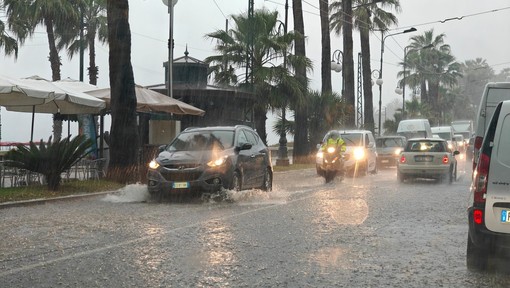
9 194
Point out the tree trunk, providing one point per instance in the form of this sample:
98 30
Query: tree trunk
93 71
348 64
301 144
124 133
367 81
326 47
260 121
55 72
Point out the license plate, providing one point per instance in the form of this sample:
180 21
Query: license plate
180 185
505 216
425 158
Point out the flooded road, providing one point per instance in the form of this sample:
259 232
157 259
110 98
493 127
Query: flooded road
366 232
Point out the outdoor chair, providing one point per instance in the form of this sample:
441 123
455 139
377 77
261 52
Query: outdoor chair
96 169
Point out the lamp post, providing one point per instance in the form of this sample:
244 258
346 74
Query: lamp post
336 65
170 44
380 69
376 74
283 158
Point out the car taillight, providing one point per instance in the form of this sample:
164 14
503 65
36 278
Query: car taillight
402 159
478 216
480 178
477 146
446 159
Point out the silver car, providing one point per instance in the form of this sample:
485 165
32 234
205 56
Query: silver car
427 158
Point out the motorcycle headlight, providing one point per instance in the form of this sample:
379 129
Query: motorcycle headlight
331 149
359 153
217 162
153 164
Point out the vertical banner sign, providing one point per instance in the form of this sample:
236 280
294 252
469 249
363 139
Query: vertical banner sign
88 128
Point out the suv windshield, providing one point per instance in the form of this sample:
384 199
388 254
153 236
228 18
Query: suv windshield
202 140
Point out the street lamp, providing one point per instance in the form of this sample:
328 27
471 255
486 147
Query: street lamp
404 77
283 158
170 44
336 65
380 69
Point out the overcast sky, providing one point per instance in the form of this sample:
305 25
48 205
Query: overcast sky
480 29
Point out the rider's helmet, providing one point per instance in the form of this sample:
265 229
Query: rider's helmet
334 135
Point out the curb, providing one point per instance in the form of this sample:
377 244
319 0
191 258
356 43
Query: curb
54 199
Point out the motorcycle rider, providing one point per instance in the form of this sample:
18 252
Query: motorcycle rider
334 139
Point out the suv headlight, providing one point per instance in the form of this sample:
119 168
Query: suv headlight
217 161
153 164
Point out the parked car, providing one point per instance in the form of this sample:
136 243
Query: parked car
489 200
360 157
211 159
388 149
427 158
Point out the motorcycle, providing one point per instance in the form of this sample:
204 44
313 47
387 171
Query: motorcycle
332 163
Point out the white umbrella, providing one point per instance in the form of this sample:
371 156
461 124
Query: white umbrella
20 92
66 100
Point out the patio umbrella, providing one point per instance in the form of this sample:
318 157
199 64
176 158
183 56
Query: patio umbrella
63 100
152 101
20 92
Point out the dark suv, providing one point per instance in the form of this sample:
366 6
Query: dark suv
211 159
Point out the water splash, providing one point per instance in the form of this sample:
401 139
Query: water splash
130 193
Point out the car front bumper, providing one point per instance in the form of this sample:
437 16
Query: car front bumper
184 183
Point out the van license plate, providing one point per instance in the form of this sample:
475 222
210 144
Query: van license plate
179 185
505 216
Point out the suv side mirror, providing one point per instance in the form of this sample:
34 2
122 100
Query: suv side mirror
243 146
161 148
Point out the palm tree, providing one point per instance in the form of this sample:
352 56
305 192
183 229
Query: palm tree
273 82
24 16
124 133
327 111
367 17
326 47
9 44
431 68
301 141
94 19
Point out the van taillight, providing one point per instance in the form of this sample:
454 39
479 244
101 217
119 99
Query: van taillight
480 179
478 216
477 146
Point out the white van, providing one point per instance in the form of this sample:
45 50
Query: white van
489 200
446 133
492 95
414 128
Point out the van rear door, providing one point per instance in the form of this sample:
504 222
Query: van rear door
497 206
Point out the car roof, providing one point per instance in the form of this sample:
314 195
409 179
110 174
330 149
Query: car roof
389 137
209 128
426 139
354 131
